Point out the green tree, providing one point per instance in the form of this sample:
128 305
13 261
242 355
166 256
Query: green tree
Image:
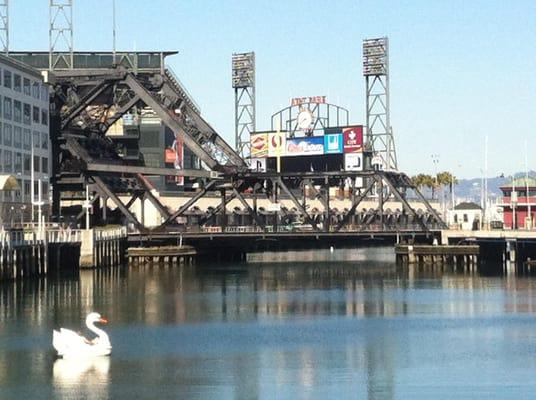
446 179
424 180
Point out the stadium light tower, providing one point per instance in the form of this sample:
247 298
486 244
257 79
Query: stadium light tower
244 86
61 34
4 25
376 71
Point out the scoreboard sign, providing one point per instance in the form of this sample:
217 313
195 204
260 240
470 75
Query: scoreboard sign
259 145
353 139
298 101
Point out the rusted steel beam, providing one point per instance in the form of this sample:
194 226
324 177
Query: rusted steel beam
134 170
355 203
149 195
172 122
189 203
248 207
84 102
401 198
302 210
126 212
217 210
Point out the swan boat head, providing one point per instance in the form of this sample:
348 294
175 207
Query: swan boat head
71 344
95 317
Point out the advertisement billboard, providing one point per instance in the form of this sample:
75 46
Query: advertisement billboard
307 146
276 143
257 164
353 139
174 154
259 145
333 143
353 162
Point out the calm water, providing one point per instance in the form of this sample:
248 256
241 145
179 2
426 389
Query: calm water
282 330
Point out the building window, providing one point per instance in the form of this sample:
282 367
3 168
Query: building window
27 189
36 139
465 218
1 162
17 111
27 114
8 134
36 163
7 161
17 191
44 93
45 190
44 117
35 115
18 163
17 137
44 140
7 78
455 218
44 165
17 83
35 90
27 87
26 140
7 108
27 164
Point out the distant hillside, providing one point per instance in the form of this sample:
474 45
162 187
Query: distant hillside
471 189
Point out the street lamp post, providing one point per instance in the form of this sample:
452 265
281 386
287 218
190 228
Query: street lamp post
513 201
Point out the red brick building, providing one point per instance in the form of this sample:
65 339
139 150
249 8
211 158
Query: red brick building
517 203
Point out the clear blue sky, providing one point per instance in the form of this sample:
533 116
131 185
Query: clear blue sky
460 70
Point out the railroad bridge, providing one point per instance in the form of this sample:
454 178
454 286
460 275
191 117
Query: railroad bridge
89 98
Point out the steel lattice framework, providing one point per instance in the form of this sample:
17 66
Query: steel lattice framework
61 34
244 86
4 26
376 71
87 101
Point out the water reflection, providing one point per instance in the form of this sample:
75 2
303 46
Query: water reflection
270 330
83 378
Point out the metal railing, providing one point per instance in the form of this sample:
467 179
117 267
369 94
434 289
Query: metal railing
304 228
54 234
109 234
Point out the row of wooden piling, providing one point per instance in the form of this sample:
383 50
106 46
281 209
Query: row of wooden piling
23 261
108 252
465 256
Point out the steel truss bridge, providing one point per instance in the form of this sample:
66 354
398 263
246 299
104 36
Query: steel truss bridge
91 97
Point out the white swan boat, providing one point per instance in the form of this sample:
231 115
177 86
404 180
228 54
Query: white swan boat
70 344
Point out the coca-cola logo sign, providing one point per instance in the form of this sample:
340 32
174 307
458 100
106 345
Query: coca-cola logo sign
305 146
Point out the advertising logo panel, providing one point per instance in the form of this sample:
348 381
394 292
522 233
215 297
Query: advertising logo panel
353 139
174 154
353 162
276 143
258 164
259 145
333 143
305 146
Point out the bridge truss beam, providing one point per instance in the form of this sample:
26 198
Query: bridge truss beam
88 101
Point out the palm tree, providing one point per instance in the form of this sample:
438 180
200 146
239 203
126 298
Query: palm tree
445 178
424 180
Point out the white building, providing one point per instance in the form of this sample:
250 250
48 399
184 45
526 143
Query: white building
24 125
465 216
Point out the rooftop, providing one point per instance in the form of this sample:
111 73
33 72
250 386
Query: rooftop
467 205
134 60
522 183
